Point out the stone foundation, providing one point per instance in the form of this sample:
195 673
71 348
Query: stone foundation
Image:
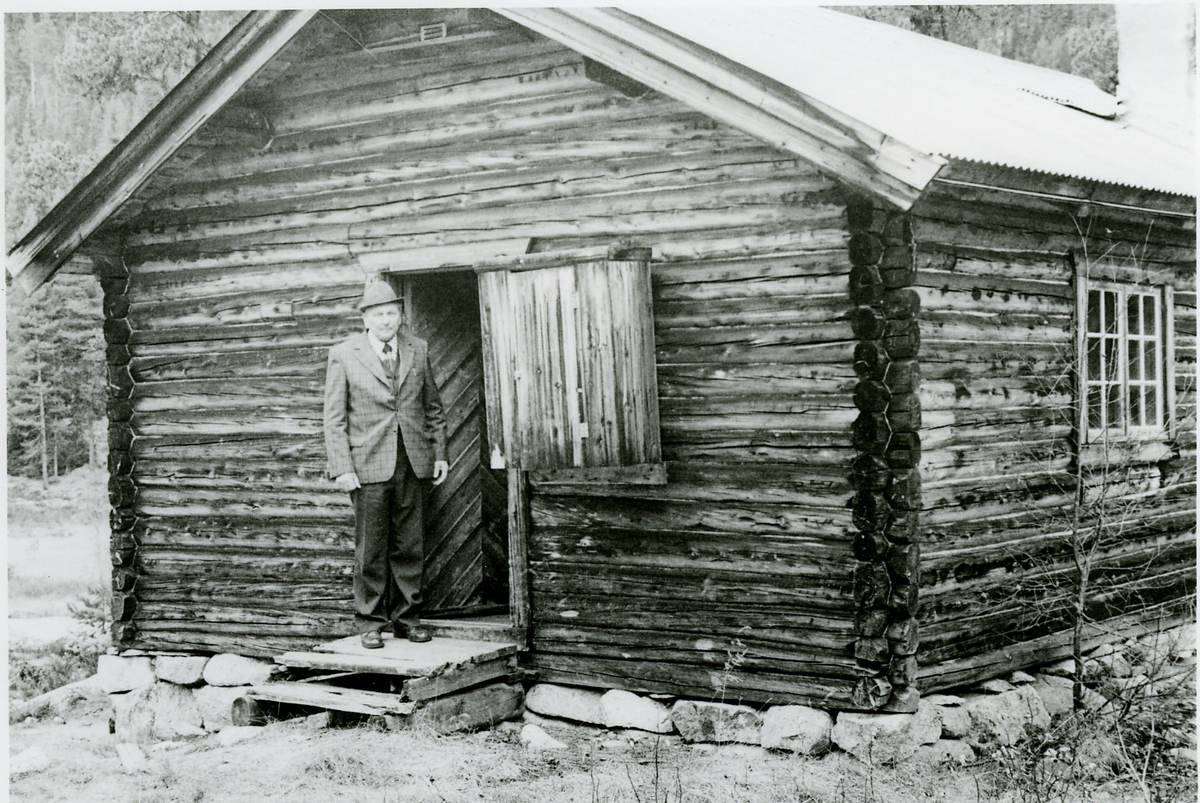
170 697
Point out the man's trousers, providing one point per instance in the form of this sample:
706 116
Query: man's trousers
389 549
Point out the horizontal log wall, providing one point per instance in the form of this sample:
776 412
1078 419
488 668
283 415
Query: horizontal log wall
998 399
734 580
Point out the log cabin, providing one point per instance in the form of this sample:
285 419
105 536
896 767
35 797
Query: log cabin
788 357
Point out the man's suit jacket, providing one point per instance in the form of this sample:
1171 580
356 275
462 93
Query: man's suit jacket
363 415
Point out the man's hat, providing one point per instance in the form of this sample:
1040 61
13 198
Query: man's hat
376 293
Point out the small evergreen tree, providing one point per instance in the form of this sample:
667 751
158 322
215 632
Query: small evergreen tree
55 351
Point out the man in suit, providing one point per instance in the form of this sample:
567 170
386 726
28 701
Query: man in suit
385 437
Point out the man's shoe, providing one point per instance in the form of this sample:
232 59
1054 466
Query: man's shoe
419 634
372 640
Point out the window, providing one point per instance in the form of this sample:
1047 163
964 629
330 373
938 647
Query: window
1123 361
569 368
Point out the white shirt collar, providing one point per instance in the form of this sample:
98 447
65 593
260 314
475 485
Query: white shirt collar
377 344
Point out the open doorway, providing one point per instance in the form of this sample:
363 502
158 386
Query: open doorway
466 549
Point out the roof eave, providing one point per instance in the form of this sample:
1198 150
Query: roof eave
218 76
847 148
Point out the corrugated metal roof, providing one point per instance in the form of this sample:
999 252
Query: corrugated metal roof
939 97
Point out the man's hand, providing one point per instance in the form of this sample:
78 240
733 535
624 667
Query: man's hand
348 482
441 470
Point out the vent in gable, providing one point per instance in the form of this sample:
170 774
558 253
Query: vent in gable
431 33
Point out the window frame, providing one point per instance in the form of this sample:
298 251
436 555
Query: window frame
1124 285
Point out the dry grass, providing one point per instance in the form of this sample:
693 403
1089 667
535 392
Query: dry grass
292 762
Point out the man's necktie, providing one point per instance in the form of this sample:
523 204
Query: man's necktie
389 361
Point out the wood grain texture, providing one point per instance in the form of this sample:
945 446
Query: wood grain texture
998 398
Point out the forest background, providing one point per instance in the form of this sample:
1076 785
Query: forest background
76 83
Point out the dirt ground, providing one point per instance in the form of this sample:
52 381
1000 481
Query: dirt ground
302 761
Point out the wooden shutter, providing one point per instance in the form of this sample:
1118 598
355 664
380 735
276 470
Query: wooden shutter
569 370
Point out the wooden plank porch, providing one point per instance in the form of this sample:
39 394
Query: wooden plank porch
447 684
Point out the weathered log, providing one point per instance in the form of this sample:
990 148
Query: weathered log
686 680
753 311
116 306
898 231
870 545
120 463
862 276
865 249
117 330
904 561
124 579
117 354
902 636
871 585
871 511
904 491
871 622
870 693
863 215
871 359
869 464
896 278
120 382
621 631
246 712
870 295
896 258
904 700
900 328
123 607
122 492
904 402
119 410
904 420
905 344
125 539
904 450
902 670
124 632
872 396
109 266
114 286
901 304
998 241
872 650
870 432
122 556
905 527
870 480
121 519
120 434
903 376
903 599
866 322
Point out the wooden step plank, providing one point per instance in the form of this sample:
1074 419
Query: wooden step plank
333 698
483 707
398 656
456 679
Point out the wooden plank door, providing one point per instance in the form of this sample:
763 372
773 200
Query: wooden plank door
465 550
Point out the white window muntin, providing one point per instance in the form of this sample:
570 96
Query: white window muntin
1123 360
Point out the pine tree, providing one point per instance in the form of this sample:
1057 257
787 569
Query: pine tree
55 351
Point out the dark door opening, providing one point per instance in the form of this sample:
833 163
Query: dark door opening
466 544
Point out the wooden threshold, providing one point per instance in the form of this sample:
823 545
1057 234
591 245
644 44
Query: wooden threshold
479 628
